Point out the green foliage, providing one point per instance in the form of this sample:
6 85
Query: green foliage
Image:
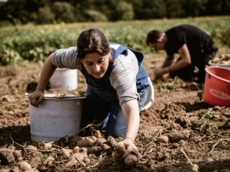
225 36
125 11
56 11
36 43
96 16
175 8
45 16
146 9
8 56
64 12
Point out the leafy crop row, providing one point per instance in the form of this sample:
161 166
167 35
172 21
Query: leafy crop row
35 43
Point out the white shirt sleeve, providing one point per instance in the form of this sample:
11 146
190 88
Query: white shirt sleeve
65 58
123 77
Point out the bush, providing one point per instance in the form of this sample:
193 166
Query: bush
225 37
64 12
124 11
8 56
95 16
45 16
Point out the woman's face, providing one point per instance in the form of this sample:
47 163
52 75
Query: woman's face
95 64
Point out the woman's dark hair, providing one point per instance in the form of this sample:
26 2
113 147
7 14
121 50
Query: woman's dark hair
152 36
90 41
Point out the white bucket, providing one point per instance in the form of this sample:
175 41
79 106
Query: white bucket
55 117
64 79
150 98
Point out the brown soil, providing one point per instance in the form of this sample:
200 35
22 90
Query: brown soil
177 133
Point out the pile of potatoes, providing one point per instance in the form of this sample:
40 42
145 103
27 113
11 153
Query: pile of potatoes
80 151
222 59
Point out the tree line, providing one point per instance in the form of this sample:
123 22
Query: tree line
14 12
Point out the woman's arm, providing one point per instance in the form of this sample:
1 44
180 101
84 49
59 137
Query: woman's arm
47 71
131 113
123 80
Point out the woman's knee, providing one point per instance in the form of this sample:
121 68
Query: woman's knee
116 132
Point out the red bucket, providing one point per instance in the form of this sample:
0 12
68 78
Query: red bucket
217 86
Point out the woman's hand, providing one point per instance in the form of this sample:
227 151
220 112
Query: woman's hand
36 97
130 147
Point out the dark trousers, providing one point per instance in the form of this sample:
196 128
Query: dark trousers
196 69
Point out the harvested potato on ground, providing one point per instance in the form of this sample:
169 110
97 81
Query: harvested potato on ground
48 160
31 148
66 152
222 57
85 142
94 150
119 150
130 160
47 146
23 166
97 134
163 139
100 141
215 60
227 56
224 62
71 163
179 135
18 154
111 141
81 156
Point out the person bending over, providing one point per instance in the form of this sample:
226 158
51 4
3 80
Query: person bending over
195 48
117 84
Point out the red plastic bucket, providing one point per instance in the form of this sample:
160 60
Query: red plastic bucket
217 86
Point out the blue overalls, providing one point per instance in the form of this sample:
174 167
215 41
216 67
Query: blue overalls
102 104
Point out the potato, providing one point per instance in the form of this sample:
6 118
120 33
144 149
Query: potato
48 160
66 152
47 146
100 141
111 141
119 150
163 139
130 160
97 134
222 57
215 60
224 62
227 56
31 148
23 166
71 163
85 142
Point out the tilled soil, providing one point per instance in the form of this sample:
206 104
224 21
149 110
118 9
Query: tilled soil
179 133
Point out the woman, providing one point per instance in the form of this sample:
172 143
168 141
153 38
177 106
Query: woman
117 83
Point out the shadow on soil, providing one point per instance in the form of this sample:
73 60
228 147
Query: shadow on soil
18 134
194 107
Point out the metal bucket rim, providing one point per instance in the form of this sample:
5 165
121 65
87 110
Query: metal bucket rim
56 97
